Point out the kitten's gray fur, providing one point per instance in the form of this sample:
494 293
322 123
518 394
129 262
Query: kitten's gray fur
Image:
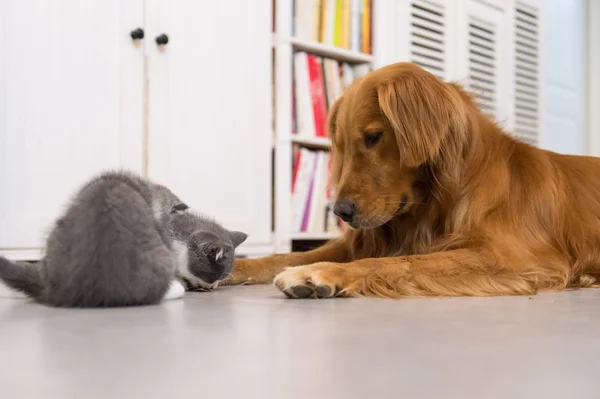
205 249
110 248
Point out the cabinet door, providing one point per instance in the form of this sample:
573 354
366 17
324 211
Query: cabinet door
70 105
209 126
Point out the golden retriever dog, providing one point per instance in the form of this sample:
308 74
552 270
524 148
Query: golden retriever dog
441 202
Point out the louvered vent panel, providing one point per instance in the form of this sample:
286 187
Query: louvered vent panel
483 64
527 74
427 36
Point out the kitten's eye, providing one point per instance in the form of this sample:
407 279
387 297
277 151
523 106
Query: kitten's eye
179 208
372 138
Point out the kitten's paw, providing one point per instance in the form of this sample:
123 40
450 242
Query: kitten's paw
176 290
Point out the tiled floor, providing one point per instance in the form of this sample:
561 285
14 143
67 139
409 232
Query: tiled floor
249 342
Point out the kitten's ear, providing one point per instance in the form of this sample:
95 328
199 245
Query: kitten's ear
237 237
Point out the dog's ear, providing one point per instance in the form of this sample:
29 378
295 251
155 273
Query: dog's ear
331 132
332 117
422 111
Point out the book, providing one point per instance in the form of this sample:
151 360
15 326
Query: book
317 94
318 82
316 19
346 15
303 19
332 77
301 187
366 27
312 194
305 123
338 23
355 24
361 70
332 222
328 10
311 188
347 76
343 23
316 215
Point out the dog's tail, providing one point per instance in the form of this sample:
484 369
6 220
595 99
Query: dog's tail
21 277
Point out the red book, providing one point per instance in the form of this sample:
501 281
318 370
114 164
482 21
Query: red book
317 92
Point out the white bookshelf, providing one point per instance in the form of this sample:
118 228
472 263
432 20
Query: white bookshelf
325 50
284 46
313 142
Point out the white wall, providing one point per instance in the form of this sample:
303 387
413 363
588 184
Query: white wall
565 101
593 75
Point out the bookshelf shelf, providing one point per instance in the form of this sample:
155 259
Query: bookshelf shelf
325 50
313 142
314 236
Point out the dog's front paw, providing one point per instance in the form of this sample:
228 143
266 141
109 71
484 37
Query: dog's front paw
247 271
241 273
320 280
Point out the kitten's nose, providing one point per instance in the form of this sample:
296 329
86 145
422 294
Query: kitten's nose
345 210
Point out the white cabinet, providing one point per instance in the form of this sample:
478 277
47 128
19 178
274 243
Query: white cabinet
210 109
77 96
70 105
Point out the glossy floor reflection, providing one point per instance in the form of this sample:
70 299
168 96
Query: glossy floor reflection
250 342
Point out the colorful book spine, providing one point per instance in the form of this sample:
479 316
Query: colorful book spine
304 108
342 23
337 35
316 20
311 187
317 91
355 23
366 31
346 25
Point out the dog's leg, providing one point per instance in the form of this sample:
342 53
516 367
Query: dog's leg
464 272
262 270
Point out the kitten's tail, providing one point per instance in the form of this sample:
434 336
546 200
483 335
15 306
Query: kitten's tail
21 277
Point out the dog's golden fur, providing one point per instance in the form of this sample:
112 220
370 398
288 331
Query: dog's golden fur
447 204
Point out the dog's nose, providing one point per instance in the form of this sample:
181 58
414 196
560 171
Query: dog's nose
345 210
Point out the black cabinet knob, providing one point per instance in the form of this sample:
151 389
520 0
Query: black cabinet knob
137 34
162 39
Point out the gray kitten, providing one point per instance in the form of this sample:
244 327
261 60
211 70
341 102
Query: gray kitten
110 248
205 250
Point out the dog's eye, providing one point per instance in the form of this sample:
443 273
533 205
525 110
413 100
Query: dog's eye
179 208
372 138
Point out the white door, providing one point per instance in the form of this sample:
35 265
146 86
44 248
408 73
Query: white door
70 106
210 108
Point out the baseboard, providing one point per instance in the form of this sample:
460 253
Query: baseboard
254 251
32 254
248 251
